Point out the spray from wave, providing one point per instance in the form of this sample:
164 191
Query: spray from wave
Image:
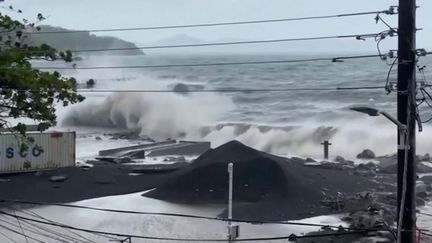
160 116
204 116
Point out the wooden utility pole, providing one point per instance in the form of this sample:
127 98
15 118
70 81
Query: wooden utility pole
406 109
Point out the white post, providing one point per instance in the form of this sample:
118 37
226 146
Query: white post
230 190
230 196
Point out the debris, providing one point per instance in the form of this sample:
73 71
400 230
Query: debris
339 159
366 154
58 178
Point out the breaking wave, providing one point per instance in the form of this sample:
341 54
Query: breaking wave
201 116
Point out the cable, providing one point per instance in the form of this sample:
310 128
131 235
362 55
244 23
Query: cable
361 36
388 87
19 233
7 237
35 231
229 90
22 230
389 12
425 214
173 215
423 91
187 240
333 59
385 23
31 213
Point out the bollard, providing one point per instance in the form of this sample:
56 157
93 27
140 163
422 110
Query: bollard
326 148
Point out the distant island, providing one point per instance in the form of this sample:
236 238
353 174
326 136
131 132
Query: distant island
82 41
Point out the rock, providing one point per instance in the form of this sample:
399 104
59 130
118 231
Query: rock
41 173
349 163
58 178
122 160
175 159
425 157
427 179
181 88
420 187
371 165
339 159
424 167
297 160
330 166
362 219
366 154
309 160
420 202
362 167
98 138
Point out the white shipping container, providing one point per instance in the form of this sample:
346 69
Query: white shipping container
49 151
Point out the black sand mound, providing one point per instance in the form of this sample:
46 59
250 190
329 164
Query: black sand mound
260 179
256 176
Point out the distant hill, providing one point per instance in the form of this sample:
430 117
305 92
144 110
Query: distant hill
82 40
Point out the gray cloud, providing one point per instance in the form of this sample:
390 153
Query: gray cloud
95 14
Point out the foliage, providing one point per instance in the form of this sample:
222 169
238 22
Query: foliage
83 40
91 83
24 90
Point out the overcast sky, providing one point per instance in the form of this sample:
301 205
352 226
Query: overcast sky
96 14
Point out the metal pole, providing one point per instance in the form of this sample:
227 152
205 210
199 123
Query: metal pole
230 197
406 98
326 148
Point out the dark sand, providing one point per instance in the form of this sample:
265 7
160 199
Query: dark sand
104 179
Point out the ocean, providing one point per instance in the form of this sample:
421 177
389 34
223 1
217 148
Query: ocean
289 122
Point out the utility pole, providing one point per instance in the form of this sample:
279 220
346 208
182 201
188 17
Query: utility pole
406 98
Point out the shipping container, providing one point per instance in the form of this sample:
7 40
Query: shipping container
49 151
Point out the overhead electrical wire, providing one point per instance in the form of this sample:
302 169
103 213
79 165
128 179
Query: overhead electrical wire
331 59
229 90
19 233
355 36
35 232
390 11
186 240
7 237
172 215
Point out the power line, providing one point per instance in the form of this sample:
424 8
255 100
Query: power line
35 232
425 214
19 233
231 90
173 215
390 11
357 37
332 59
187 240
45 229
7 237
